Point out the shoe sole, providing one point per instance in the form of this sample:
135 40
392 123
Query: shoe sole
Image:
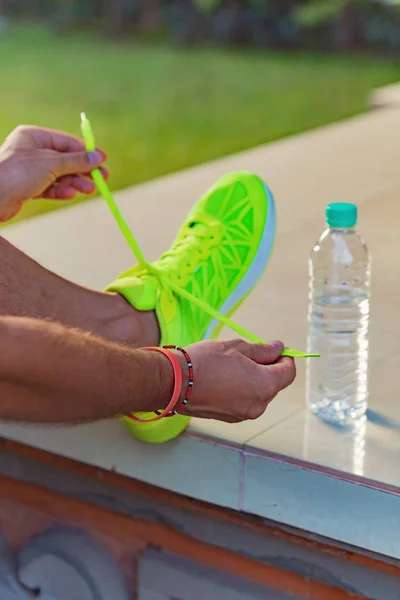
255 271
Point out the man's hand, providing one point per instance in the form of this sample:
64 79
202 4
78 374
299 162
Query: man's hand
49 373
235 380
42 163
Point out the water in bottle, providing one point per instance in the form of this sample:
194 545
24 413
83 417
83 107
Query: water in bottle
340 273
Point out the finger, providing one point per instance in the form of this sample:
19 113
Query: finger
80 184
279 376
59 192
61 142
102 170
263 354
89 175
77 162
51 139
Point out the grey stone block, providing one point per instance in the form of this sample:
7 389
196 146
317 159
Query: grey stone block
68 564
173 578
10 588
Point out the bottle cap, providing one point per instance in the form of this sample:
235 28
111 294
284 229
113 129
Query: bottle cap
341 215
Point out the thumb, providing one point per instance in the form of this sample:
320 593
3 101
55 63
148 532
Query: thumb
263 354
69 163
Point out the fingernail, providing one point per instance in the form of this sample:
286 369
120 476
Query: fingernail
277 345
95 157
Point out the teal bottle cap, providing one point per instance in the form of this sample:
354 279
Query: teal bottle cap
341 215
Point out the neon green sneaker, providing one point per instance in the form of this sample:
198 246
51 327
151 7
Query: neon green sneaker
218 256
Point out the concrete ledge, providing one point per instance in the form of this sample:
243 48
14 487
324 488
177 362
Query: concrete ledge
244 467
386 97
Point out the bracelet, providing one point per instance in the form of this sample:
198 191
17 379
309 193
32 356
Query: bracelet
176 366
189 390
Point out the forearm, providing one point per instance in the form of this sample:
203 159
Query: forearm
56 375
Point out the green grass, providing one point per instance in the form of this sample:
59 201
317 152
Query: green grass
157 109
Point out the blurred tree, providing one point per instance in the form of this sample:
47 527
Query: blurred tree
121 16
3 18
343 15
263 22
113 15
69 14
337 24
322 24
184 23
350 19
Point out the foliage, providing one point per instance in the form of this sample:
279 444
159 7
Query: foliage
322 24
315 12
330 24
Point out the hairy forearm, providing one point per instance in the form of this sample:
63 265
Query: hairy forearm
52 374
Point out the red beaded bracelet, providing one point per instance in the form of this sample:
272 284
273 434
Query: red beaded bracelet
176 366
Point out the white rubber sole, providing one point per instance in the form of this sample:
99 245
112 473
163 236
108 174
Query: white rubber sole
257 267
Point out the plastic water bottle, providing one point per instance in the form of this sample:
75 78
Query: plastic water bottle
340 274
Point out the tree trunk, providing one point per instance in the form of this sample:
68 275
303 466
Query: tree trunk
349 28
32 8
151 16
113 11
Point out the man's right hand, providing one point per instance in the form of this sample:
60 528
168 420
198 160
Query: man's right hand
53 374
235 380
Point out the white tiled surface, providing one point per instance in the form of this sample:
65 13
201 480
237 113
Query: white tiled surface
356 160
372 450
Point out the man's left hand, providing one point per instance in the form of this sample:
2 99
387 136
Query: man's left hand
42 163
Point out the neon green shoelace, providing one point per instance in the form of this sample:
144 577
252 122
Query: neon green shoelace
105 192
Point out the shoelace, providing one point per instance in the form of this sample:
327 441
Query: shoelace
105 191
193 243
